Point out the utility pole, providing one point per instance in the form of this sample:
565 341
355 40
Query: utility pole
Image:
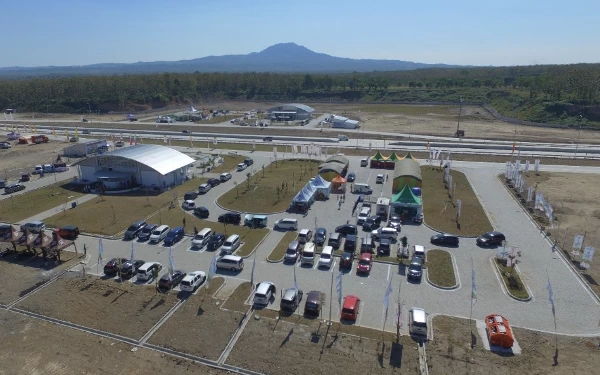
459 113
580 119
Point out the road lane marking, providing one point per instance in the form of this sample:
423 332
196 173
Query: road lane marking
389 271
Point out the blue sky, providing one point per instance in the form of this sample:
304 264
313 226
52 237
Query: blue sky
78 32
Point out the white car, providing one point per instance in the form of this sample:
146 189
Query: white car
225 177
363 215
380 179
241 167
389 233
159 234
204 188
192 281
264 292
188 205
326 258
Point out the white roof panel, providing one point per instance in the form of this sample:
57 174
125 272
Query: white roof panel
160 158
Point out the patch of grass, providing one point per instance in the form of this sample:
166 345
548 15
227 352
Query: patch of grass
512 279
279 250
111 214
263 193
218 119
391 259
229 163
19 207
250 239
215 284
237 299
440 269
440 211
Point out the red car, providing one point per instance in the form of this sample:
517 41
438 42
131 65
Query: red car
364 263
350 307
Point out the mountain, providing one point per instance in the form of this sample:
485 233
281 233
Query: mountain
283 57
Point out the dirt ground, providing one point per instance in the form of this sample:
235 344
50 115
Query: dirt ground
574 197
123 308
23 273
23 158
199 326
31 346
281 347
450 353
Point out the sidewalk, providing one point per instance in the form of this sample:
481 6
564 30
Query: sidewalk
53 211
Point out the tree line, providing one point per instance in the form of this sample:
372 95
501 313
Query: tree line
547 89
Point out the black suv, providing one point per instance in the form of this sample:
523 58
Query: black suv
248 161
444 239
350 243
230 218
372 222
346 229
216 240
415 269
190 196
491 239
346 260
213 182
135 229
129 269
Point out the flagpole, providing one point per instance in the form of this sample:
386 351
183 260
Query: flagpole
471 314
331 299
554 316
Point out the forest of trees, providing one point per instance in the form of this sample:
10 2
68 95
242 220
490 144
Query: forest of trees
545 93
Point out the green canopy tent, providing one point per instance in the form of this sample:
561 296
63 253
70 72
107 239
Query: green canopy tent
407 201
378 160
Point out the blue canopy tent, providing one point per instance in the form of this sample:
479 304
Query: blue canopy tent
322 187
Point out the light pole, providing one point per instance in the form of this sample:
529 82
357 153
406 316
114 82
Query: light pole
580 119
459 113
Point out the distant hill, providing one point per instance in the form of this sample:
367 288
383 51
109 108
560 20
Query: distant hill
283 57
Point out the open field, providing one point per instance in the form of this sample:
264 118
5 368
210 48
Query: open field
113 214
315 349
22 206
440 269
24 158
21 274
440 211
263 191
279 250
32 346
574 197
199 327
123 308
450 352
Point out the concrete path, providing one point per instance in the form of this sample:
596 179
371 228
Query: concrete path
53 211
36 182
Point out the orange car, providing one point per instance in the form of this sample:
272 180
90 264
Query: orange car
350 307
499 331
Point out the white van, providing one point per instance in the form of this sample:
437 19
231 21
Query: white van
363 215
326 258
34 226
230 245
308 254
159 234
363 189
230 262
188 205
364 162
146 271
202 238
417 321
305 235
286 224
419 251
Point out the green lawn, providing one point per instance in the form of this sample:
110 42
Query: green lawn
112 214
229 163
513 283
279 250
440 269
260 193
440 211
19 207
236 300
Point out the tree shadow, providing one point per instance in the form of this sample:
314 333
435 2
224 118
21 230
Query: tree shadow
158 304
396 355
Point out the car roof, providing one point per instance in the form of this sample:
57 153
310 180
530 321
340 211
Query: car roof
350 301
231 257
313 296
263 287
289 293
366 256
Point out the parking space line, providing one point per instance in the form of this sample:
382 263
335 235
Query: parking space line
316 266
360 312
389 271
332 266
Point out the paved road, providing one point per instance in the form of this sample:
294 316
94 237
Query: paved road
577 311
37 182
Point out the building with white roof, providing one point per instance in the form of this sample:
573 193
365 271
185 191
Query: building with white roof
291 112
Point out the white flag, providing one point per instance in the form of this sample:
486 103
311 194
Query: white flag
295 281
252 271
131 257
171 262
386 298
338 287
212 270
536 165
526 165
275 151
215 140
588 254
578 242
458 207
473 288
100 251
551 298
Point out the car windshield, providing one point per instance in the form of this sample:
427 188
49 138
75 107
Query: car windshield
364 262
325 256
146 230
415 267
348 311
156 233
311 305
291 251
132 228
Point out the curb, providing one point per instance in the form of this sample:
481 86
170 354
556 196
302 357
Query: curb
438 231
274 261
244 212
505 288
455 286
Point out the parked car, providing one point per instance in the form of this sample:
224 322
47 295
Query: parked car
335 240
346 229
248 161
385 247
173 236
192 281
69 232
112 267
185 131
395 222
363 215
380 179
418 219
230 218
4 145
188 205
415 269
117 143
128 269
85 131
35 226
350 243
308 254
159 233
444 239
216 241
290 300
346 259
169 281
13 188
268 139
286 224
351 177
364 263
204 188
202 238
231 244
292 252
372 222
326 257
320 236
75 139
146 232
491 239
135 229
213 182
148 270
264 293
201 211
230 262
225 177
350 307
304 235
190 196
387 232
241 166
313 303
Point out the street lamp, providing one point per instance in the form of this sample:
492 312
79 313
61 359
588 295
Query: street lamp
459 113
580 119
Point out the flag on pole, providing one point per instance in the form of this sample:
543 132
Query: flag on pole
275 151
386 298
171 262
135 139
131 257
100 251
536 165
67 134
526 165
295 281
551 297
121 137
54 132
252 272
212 270
473 288
428 145
338 287
458 207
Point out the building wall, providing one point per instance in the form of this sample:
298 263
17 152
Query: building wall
87 172
302 115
